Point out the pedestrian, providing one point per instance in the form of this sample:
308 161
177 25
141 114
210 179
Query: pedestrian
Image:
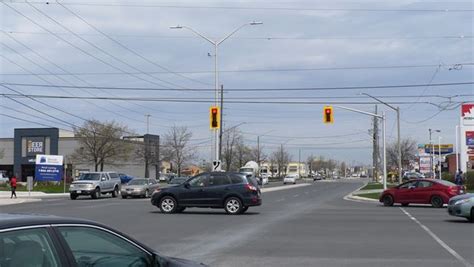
13 186
459 178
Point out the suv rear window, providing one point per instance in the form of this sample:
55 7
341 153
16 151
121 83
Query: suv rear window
237 178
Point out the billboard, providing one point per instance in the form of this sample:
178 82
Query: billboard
35 146
469 138
49 168
467 114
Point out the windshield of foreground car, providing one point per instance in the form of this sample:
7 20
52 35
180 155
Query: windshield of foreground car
89 177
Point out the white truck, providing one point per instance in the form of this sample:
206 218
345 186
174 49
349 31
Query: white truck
252 168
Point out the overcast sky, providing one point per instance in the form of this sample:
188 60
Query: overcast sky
302 44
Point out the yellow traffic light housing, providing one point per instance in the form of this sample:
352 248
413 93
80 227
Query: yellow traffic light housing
328 114
214 118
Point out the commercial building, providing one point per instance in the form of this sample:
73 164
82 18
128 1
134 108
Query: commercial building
17 154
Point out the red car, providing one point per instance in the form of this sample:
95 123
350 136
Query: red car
422 191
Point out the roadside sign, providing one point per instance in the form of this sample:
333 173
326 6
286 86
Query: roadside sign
49 168
216 165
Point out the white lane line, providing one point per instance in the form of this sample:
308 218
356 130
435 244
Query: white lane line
297 195
283 187
437 239
280 200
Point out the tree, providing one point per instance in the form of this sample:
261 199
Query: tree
176 147
101 143
231 139
281 157
148 151
343 168
243 154
409 150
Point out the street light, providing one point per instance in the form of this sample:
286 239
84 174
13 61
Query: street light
399 147
216 44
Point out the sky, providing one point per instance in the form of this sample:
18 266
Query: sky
327 46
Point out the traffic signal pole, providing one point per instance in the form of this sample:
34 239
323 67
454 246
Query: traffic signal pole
383 137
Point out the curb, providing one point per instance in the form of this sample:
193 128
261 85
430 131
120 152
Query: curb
19 201
354 198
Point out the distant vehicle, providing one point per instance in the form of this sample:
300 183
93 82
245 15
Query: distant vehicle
166 177
139 187
250 168
354 175
422 191
317 177
95 184
125 178
412 175
178 180
462 206
262 180
289 179
235 192
46 240
3 179
363 176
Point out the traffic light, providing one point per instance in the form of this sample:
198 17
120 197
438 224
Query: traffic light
328 114
214 118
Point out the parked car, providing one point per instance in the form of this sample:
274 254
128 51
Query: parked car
462 206
232 191
178 180
125 178
317 177
45 240
421 191
139 187
95 184
262 180
412 175
166 177
290 179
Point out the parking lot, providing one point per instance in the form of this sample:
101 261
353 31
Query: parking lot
301 226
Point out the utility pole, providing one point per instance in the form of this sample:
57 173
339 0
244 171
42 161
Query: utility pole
147 123
375 152
439 158
222 126
258 150
299 163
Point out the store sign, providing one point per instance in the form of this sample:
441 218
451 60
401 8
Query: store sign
35 146
467 114
445 148
49 168
470 138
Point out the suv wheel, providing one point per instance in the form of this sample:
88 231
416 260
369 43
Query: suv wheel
73 196
233 206
115 192
168 204
96 193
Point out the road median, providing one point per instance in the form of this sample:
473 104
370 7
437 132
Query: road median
283 187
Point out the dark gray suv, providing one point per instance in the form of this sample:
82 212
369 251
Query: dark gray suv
233 192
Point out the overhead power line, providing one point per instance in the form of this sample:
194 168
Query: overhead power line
268 38
256 70
266 8
252 89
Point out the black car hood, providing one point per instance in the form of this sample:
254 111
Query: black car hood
177 262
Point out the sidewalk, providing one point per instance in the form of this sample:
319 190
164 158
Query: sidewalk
25 197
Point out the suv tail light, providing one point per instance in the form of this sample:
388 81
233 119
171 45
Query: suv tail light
251 187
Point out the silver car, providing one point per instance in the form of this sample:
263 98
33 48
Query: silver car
95 184
462 206
139 187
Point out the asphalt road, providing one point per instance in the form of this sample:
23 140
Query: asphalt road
304 226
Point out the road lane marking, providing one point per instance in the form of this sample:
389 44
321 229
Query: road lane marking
283 187
437 239
297 195
280 200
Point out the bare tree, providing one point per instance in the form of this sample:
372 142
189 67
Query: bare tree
409 150
101 143
176 147
243 154
281 157
231 139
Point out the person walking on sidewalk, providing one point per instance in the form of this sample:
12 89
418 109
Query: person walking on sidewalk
13 186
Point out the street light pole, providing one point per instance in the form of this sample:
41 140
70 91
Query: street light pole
439 156
216 69
399 147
